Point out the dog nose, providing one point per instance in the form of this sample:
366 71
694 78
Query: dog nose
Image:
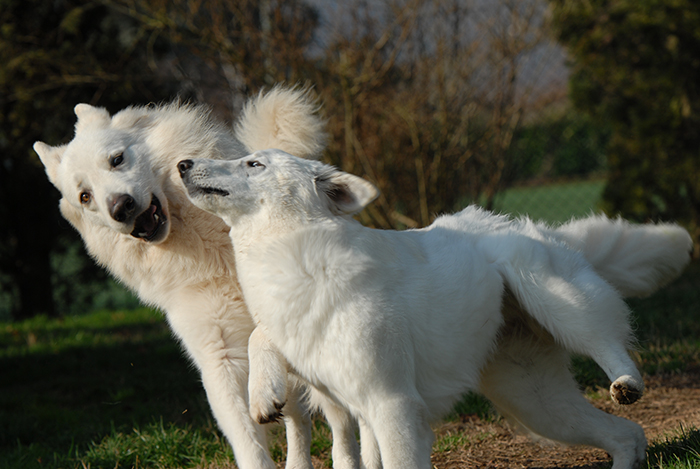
122 207
184 166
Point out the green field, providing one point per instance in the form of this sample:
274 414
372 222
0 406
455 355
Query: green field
554 203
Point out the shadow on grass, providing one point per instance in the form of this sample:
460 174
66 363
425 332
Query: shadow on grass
68 383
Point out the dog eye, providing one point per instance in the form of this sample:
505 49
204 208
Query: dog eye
85 197
117 160
255 164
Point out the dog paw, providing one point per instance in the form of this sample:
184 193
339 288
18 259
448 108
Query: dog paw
626 390
267 396
269 415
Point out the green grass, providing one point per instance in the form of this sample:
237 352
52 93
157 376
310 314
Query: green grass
69 382
454 441
554 203
677 451
106 390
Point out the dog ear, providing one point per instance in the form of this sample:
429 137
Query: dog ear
347 194
90 114
51 158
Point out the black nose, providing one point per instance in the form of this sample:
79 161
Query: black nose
122 207
183 166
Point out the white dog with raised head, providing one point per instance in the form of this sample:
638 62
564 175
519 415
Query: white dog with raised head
121 190
395 326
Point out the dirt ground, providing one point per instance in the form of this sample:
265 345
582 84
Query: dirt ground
668 402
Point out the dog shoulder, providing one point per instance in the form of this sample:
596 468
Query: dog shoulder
317 261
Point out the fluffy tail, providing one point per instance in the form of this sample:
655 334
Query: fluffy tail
283 118
636 259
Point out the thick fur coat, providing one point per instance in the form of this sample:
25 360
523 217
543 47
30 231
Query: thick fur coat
395 326
121 190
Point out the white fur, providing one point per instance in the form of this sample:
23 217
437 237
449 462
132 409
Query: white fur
637 260
395 326
187 268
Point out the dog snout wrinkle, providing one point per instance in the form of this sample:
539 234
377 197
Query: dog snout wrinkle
122 207
184 166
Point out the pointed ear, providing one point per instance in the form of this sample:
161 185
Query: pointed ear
88 114
51 158
346 194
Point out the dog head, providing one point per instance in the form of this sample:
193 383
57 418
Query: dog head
274 185
106 177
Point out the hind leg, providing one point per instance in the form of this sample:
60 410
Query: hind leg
584 315
530 384
611 316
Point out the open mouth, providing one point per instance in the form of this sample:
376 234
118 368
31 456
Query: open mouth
149 222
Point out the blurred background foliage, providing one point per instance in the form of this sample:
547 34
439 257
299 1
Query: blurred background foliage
636 66
552 108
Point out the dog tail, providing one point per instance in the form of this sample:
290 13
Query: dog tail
283 118
636 259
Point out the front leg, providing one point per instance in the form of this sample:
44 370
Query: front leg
269 391
225 383
297 421
216 338
267 381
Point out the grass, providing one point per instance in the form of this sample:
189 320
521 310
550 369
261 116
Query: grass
677 451
105 390
554 203
67 382
453 441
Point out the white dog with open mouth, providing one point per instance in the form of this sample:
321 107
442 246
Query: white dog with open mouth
395 326
121 190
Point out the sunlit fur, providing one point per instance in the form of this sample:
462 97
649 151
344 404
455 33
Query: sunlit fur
189 270
395 326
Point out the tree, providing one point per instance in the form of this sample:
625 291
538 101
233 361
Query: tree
228 49
430 96
636 66
53 55
422 96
